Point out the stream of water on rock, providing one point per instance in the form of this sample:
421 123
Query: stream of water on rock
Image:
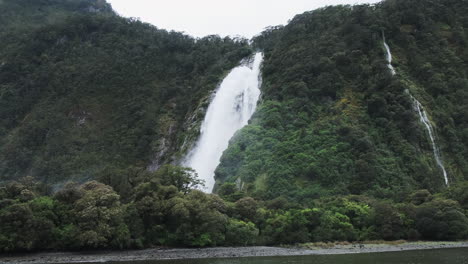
231 108
423 117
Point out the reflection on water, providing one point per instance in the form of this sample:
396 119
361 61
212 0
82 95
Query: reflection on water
440 256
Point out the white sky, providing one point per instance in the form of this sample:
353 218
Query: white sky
223 17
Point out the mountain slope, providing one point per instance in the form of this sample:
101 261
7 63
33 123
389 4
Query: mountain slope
335 152
335 121
88 93
85 94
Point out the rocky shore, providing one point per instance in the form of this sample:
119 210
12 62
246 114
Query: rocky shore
224 252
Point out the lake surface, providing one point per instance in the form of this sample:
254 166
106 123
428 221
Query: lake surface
439 256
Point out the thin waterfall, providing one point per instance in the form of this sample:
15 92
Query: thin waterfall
427 123
389 55
231 108
423 117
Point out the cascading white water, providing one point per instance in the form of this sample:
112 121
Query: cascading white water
232 106
427 123
389 56
423 117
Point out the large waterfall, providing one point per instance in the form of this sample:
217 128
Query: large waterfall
423 117
232 106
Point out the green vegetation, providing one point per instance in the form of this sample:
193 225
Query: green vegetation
335 151
84 94
163 210
333 121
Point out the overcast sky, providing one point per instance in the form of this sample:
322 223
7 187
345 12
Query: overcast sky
223 17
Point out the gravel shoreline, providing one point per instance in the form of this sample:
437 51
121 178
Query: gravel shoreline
224 252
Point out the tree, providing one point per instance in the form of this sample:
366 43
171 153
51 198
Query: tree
441 220
240 233
99 217
17 231
184 179
247 209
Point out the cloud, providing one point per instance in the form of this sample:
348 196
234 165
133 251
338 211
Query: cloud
223 17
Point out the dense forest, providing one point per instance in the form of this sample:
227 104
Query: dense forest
334 120
163 209
96 110
85 95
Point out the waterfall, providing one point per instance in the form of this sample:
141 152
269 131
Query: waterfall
423 117
427 123
230 110
389 56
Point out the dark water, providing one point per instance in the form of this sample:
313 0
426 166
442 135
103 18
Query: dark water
440 256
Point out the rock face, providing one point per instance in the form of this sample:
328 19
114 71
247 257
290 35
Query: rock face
165 143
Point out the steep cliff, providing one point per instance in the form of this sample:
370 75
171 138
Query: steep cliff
85 93
334 120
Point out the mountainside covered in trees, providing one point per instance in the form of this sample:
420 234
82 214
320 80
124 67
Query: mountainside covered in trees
85 93
333 118
335 151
